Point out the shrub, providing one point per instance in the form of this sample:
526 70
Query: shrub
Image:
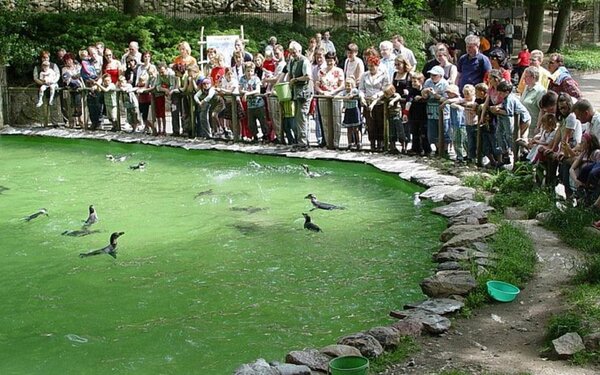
589 270
559 325
515 263
586 57
24 34
515 188
570 226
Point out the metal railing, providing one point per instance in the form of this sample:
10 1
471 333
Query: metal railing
331 121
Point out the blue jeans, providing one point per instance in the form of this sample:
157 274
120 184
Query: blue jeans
504 133
460 142
432 130
471 142
396 128
488 142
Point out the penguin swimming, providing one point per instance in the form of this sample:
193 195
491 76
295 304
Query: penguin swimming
249 210
110 249
3 189
116 158
92 217
417 200
141 165
79 232
41 211
205 192
308 173
310 225
322 205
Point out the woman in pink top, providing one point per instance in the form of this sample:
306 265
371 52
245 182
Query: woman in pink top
330 82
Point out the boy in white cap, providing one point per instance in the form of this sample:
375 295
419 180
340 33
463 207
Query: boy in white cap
434 90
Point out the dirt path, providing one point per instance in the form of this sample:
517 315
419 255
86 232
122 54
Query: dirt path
507 338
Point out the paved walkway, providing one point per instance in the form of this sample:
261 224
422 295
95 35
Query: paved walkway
590 86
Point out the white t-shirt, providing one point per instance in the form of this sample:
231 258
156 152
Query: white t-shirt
354 69
593 126
571 122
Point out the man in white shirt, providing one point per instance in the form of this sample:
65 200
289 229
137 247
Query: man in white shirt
386 49
133 50
401 50
509 30
299 77
326 43
589 118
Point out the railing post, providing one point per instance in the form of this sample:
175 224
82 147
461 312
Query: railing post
118 119
84 109
235 123
192 116
515 135
441 141
153 110
46 112
386 126
3 90
478 149
330 126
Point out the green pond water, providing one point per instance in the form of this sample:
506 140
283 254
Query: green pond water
201 284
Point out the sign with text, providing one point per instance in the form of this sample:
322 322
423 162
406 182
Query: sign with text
223 44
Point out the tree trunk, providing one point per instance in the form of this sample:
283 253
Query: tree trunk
3 85
299 13
560 28
535 24
448 8
132 7
339 11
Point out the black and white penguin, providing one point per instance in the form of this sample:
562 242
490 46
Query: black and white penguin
141 165
310 225
322 205
308 173
41 211
116 158
92 217
110 249
416 199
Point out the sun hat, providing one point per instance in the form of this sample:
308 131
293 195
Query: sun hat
453 89
436 70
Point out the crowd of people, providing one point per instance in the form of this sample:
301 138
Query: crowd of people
473 100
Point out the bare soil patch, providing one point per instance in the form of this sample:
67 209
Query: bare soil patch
507 338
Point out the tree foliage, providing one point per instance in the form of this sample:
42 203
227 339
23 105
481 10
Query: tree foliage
24 34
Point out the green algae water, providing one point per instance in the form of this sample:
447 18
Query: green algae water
215 268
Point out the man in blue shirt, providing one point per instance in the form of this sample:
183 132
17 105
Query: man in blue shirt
473 65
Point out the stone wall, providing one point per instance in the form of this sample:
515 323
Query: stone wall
194 6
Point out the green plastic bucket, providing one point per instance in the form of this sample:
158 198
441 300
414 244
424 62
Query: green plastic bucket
283 91
349 365
501 291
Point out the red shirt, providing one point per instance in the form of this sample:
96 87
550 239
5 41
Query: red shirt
216 74
270 65
524 57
